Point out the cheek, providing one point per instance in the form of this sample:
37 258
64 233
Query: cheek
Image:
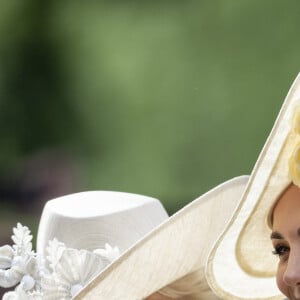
279 279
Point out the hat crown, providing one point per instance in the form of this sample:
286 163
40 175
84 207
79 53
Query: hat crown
89 220
96 203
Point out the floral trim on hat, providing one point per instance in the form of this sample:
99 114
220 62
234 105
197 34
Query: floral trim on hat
59 275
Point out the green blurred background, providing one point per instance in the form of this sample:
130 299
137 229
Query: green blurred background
162 98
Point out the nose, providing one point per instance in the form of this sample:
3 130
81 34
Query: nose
291 276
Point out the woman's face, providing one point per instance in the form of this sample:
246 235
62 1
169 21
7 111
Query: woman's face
286 241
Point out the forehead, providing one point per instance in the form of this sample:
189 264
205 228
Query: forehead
288 204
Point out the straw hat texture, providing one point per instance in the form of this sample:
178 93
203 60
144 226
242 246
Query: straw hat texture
177 247
241 265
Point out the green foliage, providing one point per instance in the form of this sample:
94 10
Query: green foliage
164 98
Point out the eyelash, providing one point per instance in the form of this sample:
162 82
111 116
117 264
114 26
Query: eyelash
280 250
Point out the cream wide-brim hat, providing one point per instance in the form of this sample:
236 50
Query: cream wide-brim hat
177 247
241 265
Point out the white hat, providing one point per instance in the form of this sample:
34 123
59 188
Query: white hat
89 220
241 265
103 223
176 248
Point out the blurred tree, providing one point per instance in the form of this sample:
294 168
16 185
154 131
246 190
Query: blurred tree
160 98
36 112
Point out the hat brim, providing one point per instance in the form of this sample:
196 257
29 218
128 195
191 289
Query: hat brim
174 249
244 248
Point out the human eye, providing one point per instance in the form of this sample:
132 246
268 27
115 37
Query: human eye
281 250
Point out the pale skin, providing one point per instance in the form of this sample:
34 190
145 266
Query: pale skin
157 296
286 241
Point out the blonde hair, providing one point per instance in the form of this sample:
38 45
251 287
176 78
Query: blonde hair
189 287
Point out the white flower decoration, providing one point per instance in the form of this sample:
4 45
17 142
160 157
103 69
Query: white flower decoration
110 253
18 260
22 240
60 275
18 294
10 273
55 250
72 272
6 256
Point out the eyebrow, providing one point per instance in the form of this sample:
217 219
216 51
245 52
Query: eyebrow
277 236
